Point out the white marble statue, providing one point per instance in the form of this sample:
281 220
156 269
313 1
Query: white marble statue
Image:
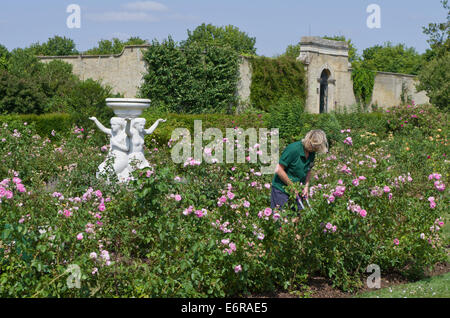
127 145
136 154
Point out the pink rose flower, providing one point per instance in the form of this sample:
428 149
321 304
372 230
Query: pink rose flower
363 213
267 211
80 236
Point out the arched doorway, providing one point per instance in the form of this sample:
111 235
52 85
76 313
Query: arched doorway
324 91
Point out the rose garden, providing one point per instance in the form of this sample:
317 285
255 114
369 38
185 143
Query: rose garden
204 228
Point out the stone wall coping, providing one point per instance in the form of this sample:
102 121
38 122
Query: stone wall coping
315 40
47 57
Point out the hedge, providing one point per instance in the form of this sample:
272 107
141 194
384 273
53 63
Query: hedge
44 124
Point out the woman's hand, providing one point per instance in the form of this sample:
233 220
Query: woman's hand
305 191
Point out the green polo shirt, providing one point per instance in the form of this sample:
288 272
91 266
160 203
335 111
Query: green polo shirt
295 163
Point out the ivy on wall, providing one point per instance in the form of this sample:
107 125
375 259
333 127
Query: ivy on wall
363 81
191 79
275 78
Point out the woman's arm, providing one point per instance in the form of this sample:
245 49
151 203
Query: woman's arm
100 126
280 171
306 188
152 129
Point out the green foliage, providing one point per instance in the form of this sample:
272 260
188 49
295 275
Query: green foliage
434 76
274 78
87 99
292 51
375 122
163 134
4 56
114 46
363 78
23 63
435 80
293 122
393 58
439 34
148 242
56 46
20 95
43 124
287 115
190 80
230 36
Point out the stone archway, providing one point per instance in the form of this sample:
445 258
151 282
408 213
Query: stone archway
324 91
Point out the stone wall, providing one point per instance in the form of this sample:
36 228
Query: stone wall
319 54
123 72
388 89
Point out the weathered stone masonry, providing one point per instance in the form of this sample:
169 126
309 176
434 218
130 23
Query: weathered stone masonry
329 83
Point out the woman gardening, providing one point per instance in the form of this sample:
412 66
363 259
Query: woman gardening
295 165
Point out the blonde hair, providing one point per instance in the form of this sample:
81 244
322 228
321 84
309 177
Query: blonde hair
316 141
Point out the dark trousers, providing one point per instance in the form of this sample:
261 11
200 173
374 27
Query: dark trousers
279 198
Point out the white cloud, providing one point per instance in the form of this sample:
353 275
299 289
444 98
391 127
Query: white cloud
145 6
123 17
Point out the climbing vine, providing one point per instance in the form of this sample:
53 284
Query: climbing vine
363 81
275 78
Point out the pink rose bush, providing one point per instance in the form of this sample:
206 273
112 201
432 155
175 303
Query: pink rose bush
198 229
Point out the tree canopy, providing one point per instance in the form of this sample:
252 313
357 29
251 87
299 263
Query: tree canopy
393 58
114 46
55 46
434 76
209 35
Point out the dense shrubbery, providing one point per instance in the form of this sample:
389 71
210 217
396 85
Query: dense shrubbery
190 80
205 230
275 78
28 86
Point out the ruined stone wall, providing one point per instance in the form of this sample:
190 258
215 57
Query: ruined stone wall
123 72
389 87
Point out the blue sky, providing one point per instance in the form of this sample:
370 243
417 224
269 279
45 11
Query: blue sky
274 23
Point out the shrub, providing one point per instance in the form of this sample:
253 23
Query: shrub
43 124
190 80
20 95
434 78
87 99
275 78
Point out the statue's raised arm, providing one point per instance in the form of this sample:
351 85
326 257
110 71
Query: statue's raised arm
100 126
153 127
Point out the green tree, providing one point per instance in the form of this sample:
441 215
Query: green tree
20 95
393 58
24 63
434 76
114 46
209 35
4 56
55 46
292 51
